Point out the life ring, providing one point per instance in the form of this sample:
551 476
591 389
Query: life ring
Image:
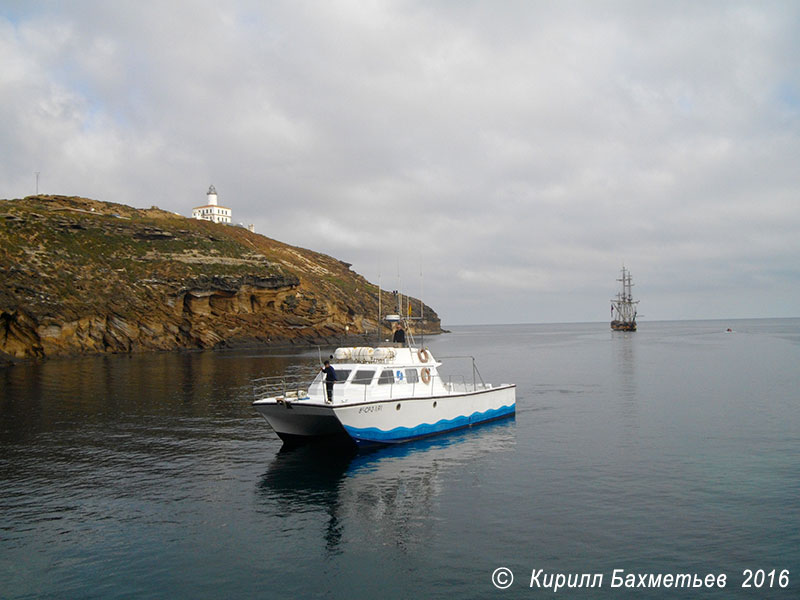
426 375
422 355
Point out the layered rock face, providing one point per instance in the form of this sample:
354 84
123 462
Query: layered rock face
83 276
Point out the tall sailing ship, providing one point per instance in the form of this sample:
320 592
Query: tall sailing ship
623 307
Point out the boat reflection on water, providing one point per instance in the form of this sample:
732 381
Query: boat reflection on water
389 491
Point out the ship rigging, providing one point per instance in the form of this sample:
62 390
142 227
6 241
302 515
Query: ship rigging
623 307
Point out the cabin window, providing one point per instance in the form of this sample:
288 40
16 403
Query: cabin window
412 376
342 375
387 376
363 377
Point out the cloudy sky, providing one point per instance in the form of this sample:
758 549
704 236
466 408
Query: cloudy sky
515 153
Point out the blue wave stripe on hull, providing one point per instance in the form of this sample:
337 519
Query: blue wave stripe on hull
401 434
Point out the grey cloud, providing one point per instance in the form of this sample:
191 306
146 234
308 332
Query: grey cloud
517 153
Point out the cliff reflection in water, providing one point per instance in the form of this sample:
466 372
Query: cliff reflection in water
47 396
388 493
149 426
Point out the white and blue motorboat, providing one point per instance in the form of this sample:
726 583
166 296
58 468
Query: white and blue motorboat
383 395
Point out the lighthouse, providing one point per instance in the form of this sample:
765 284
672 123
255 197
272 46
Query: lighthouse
212 211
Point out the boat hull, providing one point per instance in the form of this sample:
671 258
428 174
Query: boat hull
401 420
386 421
295 422
623 325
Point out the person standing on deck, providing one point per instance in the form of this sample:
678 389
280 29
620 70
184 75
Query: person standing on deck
399 336
330 379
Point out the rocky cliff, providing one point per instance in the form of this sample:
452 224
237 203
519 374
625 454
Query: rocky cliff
83 276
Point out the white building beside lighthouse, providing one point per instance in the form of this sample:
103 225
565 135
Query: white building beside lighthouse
212 211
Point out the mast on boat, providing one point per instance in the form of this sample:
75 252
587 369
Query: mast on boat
403 315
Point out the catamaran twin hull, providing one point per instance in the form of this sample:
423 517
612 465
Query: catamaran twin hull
386 421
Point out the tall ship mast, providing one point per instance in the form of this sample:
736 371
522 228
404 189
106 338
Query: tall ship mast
623 307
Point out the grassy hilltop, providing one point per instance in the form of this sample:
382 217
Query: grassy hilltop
85 276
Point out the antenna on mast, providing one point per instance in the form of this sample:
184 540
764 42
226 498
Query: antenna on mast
380 293
421 304
399 292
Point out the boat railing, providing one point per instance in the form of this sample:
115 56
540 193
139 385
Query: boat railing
293 386
460 385
283 386
477 379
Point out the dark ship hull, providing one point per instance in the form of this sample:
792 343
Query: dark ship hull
623 325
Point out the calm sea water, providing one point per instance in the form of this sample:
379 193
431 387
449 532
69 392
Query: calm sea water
675 449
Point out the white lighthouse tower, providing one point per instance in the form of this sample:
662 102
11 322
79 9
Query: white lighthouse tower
212 211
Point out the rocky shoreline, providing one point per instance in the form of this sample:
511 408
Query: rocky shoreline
83 277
